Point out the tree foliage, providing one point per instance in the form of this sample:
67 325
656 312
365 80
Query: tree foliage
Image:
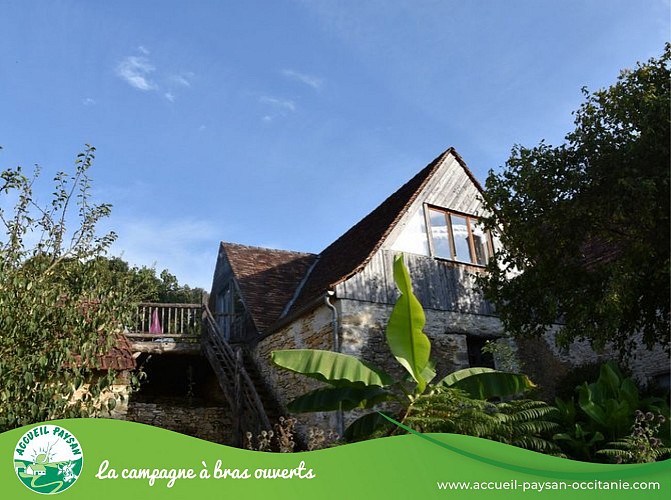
146 285
584 226
57 314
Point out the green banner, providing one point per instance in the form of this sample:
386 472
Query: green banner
109 459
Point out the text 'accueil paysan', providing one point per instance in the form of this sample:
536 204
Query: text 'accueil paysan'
48 459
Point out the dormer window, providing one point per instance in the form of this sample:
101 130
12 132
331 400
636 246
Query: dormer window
458 237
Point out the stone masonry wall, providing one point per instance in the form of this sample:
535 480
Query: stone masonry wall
209 423
363 326
312 331
546 363
362 333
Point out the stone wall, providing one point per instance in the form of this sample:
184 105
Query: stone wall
210 423
119 391
312 331
363 326
362 333
546 364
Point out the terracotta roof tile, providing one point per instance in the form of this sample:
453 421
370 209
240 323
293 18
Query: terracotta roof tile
267 278
119 357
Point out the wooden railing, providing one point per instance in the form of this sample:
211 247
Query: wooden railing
235 382
160 327
182 322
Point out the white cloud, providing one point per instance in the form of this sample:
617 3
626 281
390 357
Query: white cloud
280 104
309 80
88 101
182 79
135 70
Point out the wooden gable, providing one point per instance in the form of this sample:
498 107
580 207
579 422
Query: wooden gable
439 284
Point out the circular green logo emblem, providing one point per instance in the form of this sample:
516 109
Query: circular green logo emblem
48 459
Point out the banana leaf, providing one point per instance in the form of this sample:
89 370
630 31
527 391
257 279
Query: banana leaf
334 368
364 426
334 398
486 383
408 343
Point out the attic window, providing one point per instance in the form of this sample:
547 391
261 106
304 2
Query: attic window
458 237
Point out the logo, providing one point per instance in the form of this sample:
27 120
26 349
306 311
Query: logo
48 459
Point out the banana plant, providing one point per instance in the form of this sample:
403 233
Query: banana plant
354 383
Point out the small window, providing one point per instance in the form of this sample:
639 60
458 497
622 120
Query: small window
458 237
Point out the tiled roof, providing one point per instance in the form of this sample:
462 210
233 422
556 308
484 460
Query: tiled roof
350 253
267 279
119 357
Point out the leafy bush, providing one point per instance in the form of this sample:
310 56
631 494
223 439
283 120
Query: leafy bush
603 411
522 423
56 317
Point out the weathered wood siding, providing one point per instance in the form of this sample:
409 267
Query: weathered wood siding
223 277
438 284
451 187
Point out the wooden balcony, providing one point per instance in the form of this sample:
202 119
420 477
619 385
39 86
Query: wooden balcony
166 328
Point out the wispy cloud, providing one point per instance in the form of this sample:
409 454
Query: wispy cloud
309 80
135 70
182 79
88 101
277 103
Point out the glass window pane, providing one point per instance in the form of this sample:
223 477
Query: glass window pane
460 233
480 243
441 241
413 238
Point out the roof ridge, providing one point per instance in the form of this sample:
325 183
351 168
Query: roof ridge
432 167
229 243
298 290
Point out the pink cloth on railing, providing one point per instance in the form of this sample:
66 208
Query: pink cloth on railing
155 326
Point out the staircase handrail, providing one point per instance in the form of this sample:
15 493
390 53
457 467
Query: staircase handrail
251 396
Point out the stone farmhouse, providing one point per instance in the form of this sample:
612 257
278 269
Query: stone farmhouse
340 299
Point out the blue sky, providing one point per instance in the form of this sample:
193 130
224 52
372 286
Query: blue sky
282 123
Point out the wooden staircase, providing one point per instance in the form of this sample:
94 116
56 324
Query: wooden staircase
240 381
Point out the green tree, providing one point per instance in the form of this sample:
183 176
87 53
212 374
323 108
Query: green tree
146 286
584 226
57 316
